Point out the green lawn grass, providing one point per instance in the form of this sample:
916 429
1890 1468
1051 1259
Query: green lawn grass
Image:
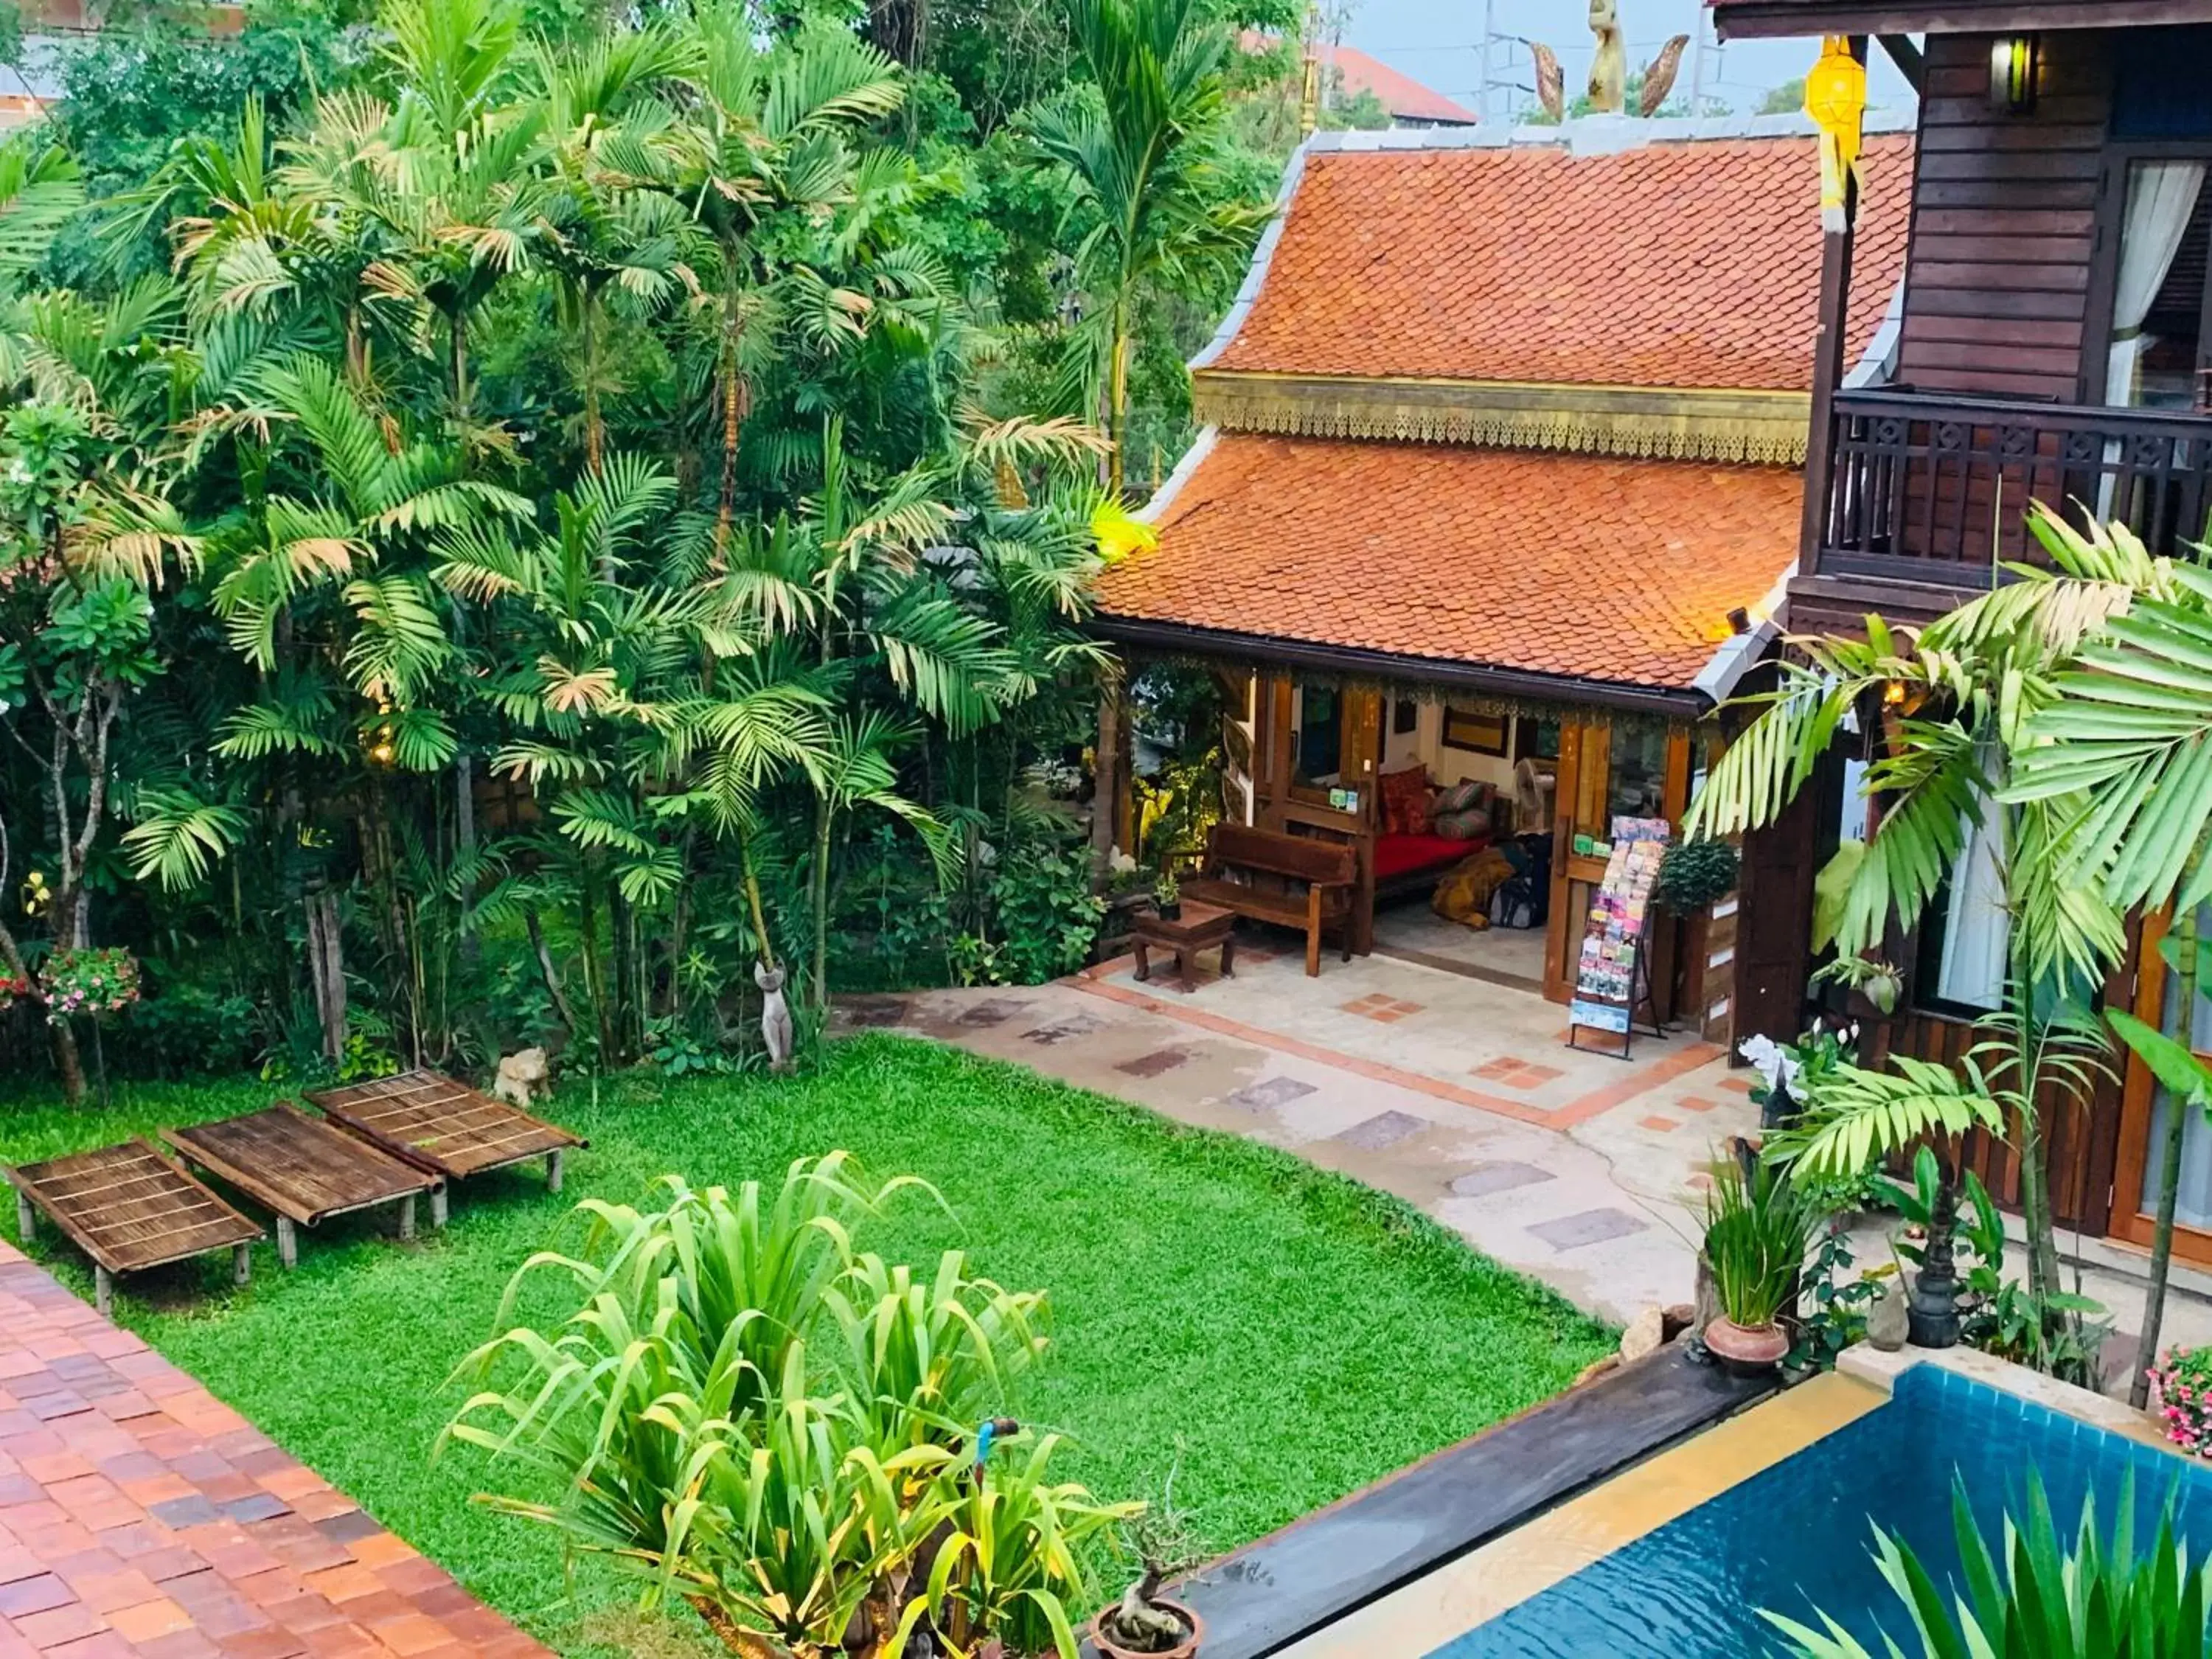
1270 1334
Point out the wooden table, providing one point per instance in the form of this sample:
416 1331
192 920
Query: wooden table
129 1208
1199 927
445 1128
303 1169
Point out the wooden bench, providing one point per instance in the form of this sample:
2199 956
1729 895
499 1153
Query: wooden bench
129 1208
305 1170
1293 881
444 1129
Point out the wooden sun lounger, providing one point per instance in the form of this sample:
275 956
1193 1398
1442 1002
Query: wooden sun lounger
425 1119
303 1169
129 1208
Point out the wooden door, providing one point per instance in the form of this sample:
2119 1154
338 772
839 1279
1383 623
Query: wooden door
2141 1136
1578 808
1584 806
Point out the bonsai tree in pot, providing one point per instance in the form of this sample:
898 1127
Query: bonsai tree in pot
1145 1624
1759 1228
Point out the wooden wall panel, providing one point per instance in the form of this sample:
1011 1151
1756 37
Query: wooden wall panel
1999 291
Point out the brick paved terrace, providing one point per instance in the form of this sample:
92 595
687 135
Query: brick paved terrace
139 1515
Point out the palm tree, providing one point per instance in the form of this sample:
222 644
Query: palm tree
2129 729
1137 149
782 193
1954 704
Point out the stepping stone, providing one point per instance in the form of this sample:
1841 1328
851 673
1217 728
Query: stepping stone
995 1011
874 1013
1059 1031
1572 1232
1270 1093
1384 1129
1151 1065
1501 1177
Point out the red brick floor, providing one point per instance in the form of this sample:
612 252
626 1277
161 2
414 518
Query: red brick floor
139 1515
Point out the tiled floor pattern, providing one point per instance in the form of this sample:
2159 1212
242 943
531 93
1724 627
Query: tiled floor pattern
1472 1042
141 1516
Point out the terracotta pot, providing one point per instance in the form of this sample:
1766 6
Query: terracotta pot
1183 1649
1747 1350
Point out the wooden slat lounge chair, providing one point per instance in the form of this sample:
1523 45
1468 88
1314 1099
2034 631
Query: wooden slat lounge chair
129 1208
425 1119
303 1169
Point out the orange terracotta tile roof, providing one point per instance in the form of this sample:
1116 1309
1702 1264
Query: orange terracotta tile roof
1402 97
1614 570
1689 263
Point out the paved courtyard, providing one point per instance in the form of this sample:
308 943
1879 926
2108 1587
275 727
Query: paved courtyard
139 1515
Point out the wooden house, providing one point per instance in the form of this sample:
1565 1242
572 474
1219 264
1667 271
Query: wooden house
2054 342
1500 479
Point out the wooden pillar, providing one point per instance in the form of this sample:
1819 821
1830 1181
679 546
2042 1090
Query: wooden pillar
1109 776
287 1241
407 1217
103 1289
27 1219
553 1171
1828 365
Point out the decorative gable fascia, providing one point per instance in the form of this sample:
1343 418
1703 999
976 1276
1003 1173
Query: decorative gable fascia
1668 423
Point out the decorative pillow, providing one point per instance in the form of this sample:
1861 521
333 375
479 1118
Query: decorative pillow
1405 801
1463 826
1467 797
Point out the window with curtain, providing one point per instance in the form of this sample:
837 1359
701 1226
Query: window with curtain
2163 210
2194 1206
1968 931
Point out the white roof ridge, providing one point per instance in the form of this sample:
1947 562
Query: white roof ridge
1594 134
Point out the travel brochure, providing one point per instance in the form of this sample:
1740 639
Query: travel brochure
1605 980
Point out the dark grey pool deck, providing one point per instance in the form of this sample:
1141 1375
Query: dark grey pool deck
1324 1565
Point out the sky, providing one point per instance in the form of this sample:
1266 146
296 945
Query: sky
1438 43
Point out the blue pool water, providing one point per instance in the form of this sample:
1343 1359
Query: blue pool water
1798 1537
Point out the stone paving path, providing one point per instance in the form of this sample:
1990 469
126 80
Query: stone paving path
139 1515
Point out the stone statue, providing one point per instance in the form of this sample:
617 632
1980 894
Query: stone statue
775 1016
521 1078
1608 81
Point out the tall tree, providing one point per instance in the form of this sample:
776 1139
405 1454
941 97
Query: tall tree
1140 147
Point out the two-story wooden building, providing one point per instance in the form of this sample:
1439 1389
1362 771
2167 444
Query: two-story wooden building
2055 343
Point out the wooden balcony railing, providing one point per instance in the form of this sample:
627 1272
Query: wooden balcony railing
1926 488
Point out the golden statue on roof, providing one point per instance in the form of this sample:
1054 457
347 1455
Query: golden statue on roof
1608 81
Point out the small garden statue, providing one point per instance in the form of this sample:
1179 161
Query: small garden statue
775 1016
521 1078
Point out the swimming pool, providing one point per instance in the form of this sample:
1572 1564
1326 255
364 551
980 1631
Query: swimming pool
1774 1508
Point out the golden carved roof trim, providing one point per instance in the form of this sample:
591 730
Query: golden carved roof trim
1660 423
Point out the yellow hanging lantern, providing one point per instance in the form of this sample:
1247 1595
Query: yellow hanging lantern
1120 535
1835 97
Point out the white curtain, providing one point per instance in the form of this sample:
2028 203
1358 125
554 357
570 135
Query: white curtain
1979 928
2161 196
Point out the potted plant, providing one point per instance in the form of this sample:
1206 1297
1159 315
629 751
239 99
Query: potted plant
1167 895
1692 874
1145 1625
1759 1228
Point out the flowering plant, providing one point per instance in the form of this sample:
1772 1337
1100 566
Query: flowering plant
13 985
102 981
2181 1395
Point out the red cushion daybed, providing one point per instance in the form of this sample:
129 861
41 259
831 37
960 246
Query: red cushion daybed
1404 855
